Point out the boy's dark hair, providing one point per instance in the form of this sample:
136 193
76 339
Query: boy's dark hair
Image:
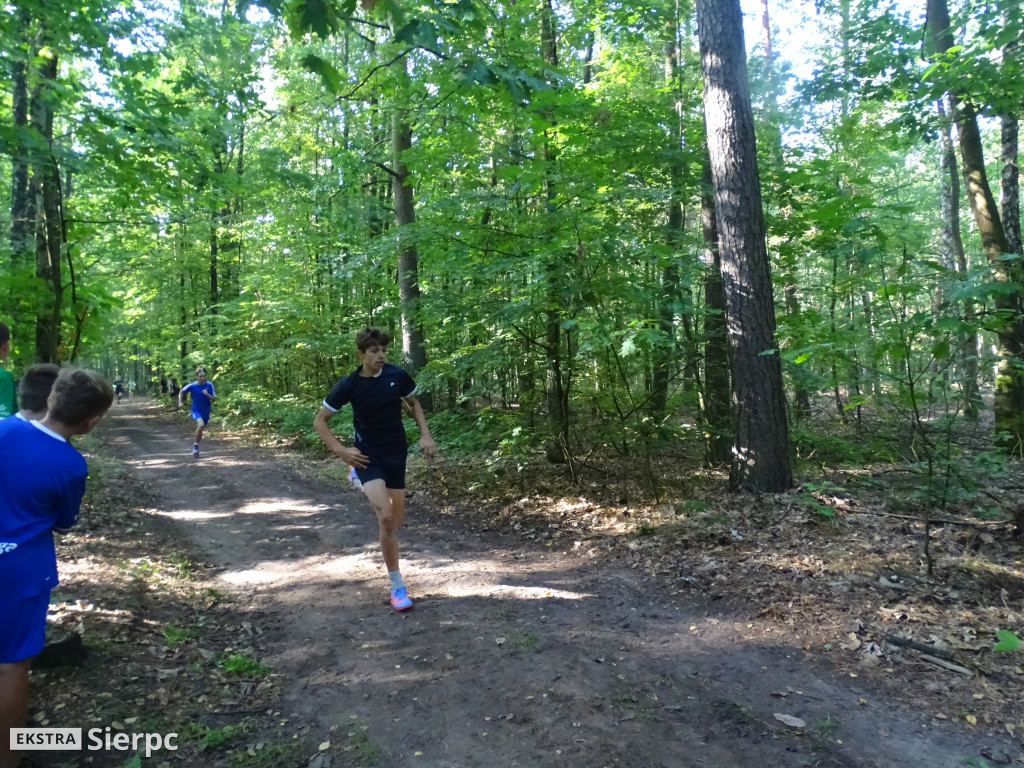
5 334
371 337
78 395
35 386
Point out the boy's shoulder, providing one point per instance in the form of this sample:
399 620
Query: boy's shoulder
32 436
390 369
12 425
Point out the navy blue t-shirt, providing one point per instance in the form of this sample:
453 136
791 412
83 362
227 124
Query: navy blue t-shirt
376 408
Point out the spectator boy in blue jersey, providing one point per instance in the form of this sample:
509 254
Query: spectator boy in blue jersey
42 480
203 395
376 391
34 390
8 399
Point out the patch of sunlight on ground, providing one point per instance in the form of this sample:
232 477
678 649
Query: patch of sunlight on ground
517 593
193 514
278 505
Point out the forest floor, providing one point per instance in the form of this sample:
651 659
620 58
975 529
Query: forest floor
239 601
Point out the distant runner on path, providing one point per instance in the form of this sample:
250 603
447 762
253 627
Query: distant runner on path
376 391
203 395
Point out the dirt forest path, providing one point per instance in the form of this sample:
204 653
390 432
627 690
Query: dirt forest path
514 654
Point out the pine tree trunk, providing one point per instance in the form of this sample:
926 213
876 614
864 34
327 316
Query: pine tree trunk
413 343
22 208
760 432
1009 198
665 352
1009 394
717 432
49 227
557 447
953 248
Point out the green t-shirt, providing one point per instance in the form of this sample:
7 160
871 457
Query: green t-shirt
8 397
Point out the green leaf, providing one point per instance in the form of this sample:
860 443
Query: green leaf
417 32
330 76
941 350
1008 641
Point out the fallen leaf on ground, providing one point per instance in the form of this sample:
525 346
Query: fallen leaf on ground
789 720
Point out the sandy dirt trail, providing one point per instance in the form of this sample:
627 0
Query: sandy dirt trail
514 654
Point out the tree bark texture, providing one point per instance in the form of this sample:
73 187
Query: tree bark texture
1009 394
557 391
760 459
717 436
665 353
955 259
1009 198
22 208
413 342
45 183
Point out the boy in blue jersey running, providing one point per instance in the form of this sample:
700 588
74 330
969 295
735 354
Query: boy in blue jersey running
376 391
42 480
203 395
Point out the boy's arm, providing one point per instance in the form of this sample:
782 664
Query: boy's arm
427 444
70 502
352 456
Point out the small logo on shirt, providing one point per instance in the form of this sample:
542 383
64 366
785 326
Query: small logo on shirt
7 546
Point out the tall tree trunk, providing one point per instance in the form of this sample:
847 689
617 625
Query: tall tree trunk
49 227
22 208
557 394
953 247
665 353
413 343
717 433
772 122
760 432
1009 199
1009 394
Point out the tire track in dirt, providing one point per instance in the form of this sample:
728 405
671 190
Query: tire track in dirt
513 655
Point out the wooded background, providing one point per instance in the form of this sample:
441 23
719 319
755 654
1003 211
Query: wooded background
527 195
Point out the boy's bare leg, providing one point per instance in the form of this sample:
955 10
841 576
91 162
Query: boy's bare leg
389 506
200 426
13 707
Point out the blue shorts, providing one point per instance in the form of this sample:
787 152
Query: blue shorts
390 469
197 415
25 627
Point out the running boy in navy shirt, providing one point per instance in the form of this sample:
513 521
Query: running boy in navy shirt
376 390
42 480
203 396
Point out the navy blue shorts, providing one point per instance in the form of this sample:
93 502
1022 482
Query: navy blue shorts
25 632
390 469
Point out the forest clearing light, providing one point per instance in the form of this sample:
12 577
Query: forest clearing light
514 593
193 514
275 506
